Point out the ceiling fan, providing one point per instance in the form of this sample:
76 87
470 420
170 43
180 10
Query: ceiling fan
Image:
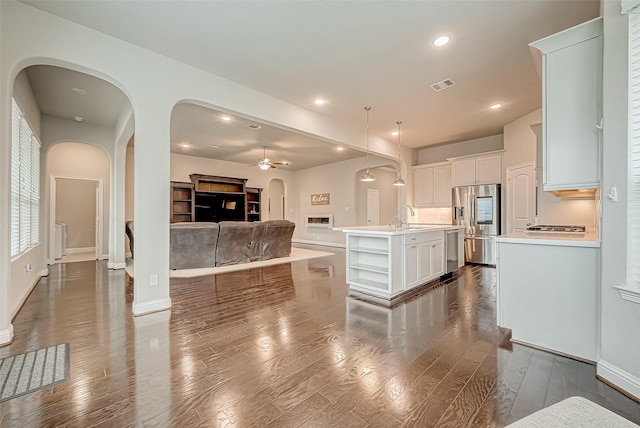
265 163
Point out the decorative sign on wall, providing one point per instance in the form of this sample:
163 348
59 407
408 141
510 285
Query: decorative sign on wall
320 199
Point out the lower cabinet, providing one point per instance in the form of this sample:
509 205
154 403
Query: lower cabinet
423 259
387 265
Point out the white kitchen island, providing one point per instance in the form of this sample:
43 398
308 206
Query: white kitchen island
547 290
385 262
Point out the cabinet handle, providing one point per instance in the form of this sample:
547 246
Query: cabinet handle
413 246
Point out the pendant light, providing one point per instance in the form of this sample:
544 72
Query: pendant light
399 181
367 176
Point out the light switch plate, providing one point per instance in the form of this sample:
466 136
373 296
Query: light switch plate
153 279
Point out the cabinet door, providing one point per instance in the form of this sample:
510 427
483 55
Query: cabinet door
423 187
571 112
489 169
463 172
411 266
437 258
425 263
442 186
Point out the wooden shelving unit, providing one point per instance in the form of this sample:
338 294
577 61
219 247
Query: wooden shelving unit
219 198
182 202
253 203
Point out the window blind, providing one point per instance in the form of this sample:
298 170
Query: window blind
633 207
16 116
25 184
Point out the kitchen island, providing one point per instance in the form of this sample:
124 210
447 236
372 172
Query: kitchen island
547 290
386 262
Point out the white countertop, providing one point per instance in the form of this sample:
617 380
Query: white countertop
392 230
589 239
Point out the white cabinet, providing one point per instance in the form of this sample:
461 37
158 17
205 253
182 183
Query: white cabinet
547 295
423 258
477 169
371 266
432 185
571 108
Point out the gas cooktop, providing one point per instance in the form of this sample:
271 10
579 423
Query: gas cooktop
556 229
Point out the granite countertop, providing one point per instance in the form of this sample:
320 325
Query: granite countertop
589 239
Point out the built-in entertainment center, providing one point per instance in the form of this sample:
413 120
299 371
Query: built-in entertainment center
213 198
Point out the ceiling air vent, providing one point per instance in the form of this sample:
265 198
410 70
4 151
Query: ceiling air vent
252 126
444 84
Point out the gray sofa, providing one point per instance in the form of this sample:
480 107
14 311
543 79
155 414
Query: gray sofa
202 245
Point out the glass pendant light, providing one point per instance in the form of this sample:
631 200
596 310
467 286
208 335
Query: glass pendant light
399 181
367 176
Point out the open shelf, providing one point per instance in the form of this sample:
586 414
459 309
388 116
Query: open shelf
370 268
369 250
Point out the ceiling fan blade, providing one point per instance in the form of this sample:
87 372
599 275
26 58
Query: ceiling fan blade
280 163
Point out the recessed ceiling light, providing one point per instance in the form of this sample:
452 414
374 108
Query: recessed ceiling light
185 145
226 118
441 41
319 101
394 133
253 126
214 146
495 106
78 118
79 91
340 148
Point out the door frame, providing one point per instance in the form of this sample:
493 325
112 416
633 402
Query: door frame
99 214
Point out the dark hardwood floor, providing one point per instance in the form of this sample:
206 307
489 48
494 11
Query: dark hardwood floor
284 346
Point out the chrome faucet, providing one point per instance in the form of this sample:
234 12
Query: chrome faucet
399 216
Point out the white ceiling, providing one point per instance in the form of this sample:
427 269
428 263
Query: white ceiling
351 53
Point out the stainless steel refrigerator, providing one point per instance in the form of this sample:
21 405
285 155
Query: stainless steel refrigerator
477 208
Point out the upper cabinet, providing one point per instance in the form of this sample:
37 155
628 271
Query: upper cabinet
432 185
571 107
485 168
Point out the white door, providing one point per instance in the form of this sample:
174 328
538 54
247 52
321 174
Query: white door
521 196
373 207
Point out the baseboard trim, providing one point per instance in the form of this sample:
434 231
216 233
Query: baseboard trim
26 295
80 250
619 379
116 265
44 272
151 306
323 243
6 336
104 257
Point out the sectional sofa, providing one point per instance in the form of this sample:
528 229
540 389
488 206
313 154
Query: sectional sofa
202 244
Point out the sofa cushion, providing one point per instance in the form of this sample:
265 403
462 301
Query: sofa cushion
234 243
257 238
277 239
193 245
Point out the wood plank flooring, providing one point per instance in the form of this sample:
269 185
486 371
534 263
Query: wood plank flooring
284 346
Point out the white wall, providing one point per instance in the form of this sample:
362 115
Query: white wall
77 160
520 147
23 278
619 344
440 153
388 194
340 179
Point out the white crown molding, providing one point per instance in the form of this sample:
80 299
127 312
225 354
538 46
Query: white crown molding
151 306
630 294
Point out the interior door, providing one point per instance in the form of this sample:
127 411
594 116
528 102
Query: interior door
373 207
521 196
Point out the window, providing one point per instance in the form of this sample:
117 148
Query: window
25 184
